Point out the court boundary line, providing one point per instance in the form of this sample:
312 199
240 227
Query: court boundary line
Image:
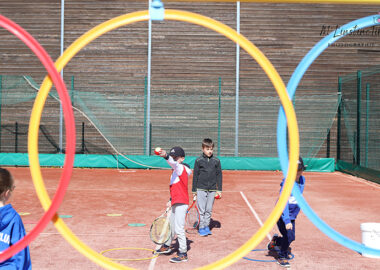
254 213
360 180
153 261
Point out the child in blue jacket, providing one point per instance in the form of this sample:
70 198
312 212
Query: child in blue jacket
11 227
286 223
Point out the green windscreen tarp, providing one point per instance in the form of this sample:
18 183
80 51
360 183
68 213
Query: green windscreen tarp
111 161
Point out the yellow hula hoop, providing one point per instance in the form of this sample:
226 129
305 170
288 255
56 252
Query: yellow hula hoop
217 27
141 259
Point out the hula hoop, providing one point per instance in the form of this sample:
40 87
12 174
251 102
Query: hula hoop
140 259
245 44
255 260
45 59
281 130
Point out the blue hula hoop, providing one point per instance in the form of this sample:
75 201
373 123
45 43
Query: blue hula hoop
281 130
254 260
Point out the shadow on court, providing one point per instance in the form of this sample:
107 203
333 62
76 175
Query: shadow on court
175 246
215 224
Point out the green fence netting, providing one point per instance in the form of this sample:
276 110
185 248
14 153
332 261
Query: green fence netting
112 118
360 119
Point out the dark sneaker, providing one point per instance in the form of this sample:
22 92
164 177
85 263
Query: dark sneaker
289 256
181 257
207 230
272 244
164 249
283 262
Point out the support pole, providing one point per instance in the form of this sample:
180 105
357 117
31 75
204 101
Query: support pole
147 124
358 115
72 90
367 125
60 104
219 113
16 137
83 147
237 82
338 132
328 144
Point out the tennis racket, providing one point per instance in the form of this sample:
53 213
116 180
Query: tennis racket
192 218
160 229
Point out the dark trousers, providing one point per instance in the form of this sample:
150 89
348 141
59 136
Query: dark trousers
288 236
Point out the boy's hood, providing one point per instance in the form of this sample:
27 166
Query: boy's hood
7 213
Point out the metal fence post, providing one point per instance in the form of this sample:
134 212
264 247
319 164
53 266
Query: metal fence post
367 125
358 115
145 114
16 137
219 113
72 90
338 135
328 144
83 147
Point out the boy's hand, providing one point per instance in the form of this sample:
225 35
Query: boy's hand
218 195
194 196
162 153
289 226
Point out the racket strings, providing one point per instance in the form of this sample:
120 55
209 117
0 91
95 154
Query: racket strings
192 219
160 230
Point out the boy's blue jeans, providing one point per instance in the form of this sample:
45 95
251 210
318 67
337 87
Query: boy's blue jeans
288 236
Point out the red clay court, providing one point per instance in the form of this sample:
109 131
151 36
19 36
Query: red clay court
139 196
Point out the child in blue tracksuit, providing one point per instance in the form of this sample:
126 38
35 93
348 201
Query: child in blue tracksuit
286 223
11 227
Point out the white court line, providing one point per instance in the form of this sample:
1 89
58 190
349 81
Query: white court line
121 171
153 261
254 213
361 180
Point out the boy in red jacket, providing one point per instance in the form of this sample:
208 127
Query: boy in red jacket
179 200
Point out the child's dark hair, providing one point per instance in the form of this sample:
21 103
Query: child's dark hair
207 143
6 180
301 165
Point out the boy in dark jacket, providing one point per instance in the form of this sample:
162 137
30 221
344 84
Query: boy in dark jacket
207 184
